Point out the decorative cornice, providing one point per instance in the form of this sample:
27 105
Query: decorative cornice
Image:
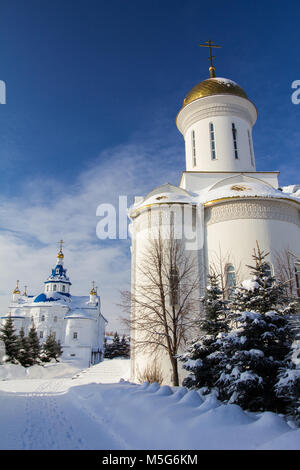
218 105
271 209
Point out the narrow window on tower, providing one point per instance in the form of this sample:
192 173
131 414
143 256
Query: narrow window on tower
230 280
234 136
251 149
268 270
297 278
194 148
212 141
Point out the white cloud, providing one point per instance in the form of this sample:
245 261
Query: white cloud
49 210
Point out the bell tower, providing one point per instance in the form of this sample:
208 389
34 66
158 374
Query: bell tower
216 121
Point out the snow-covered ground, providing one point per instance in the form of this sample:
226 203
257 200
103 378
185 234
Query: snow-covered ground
62 407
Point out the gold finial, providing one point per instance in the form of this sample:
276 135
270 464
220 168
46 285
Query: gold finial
210 44
25 291
17 290
93 291
60 253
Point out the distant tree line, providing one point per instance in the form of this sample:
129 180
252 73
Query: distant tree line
117 348
26 350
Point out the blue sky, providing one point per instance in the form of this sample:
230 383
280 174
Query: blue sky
93 89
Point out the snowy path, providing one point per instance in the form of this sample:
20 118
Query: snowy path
86 412
40 414
46 423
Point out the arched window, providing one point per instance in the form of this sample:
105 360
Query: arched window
194 148
43 318
230 279
212 141
250 148
234 136
54 287
268 270
297 278
63 288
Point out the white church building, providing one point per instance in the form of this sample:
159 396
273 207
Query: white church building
76 321
233 205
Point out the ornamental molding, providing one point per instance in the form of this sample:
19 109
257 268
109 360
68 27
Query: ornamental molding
213 110
247 209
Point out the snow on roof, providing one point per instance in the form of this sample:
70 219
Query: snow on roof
78 313
226 81
253 189
165 194
46 299
237 186
292 188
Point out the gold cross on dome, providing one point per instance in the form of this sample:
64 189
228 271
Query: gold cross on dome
61 242
210 45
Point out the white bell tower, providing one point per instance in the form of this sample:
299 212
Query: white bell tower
216 120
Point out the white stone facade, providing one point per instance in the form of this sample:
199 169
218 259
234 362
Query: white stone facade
233 206
76 321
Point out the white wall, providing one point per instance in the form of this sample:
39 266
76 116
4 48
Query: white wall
235 239
224 147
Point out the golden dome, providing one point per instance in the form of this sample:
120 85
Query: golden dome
214 86
60 255
17 290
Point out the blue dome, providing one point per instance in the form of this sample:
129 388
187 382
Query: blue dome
57 296
41 298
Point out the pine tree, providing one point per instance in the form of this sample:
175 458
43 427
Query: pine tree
34 344
244 364
10 339
116 348
288 391
215 318
257 350
51 349
24 350
125 347
255 353
262 293
202 358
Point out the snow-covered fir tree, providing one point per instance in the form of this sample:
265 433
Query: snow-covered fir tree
202 357
51 349
252 356
215 311
288 385
125 347
10 339
24 354
261 293
117 348
244 364
34 343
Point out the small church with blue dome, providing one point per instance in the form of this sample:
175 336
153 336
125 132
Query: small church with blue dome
76 321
